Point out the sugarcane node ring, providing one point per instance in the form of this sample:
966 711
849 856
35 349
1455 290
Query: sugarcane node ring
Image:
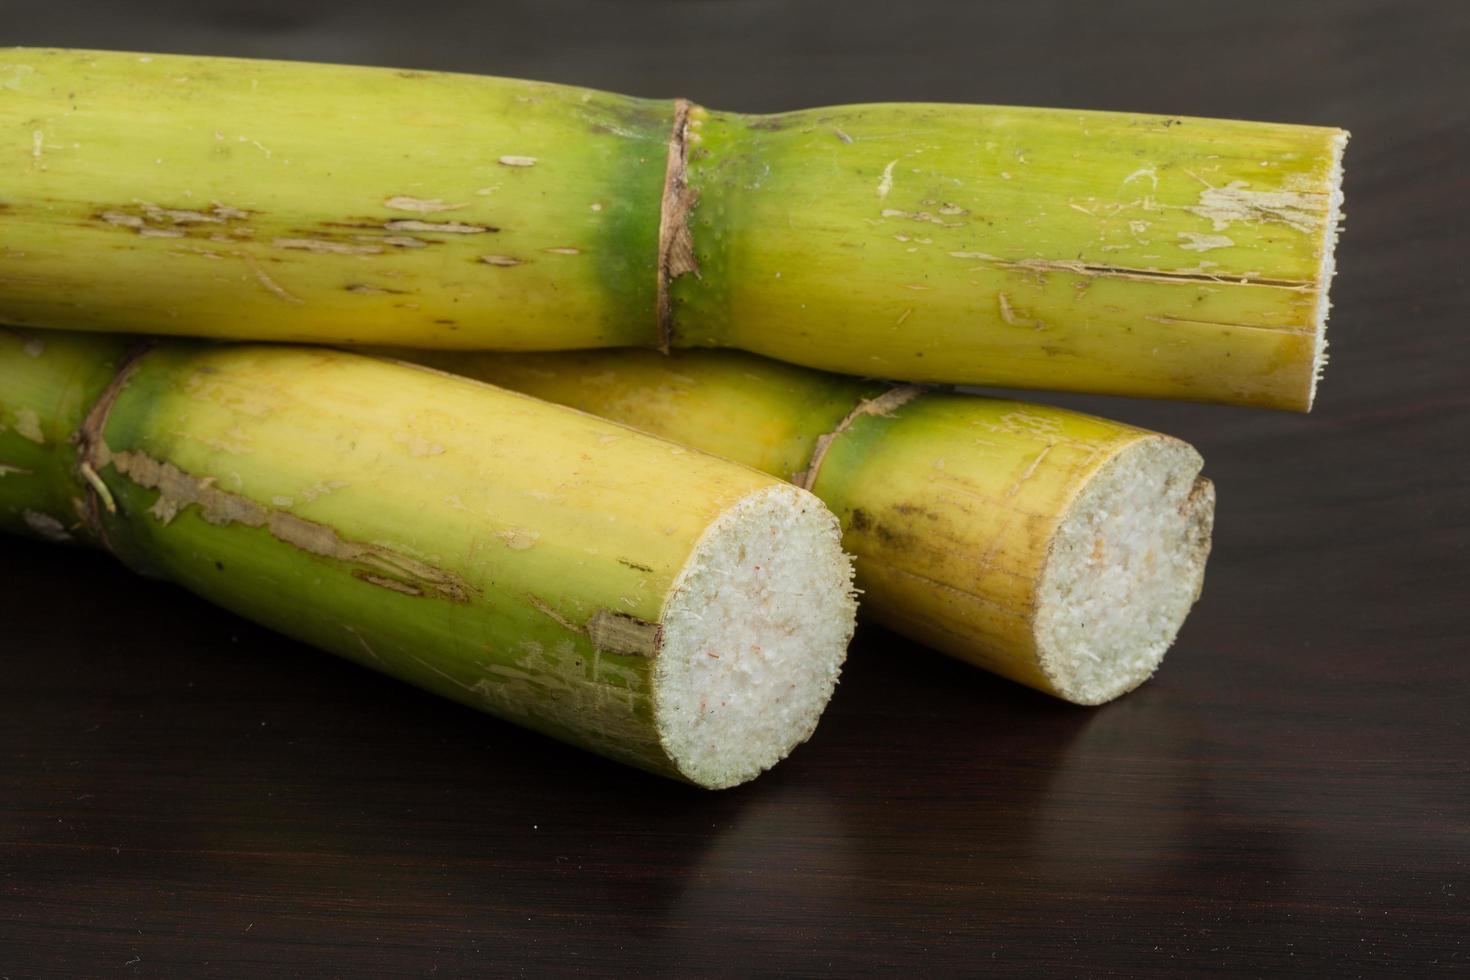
883 404
92 449
675 238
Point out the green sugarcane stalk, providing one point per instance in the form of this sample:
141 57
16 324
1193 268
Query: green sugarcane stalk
1114 252
563 572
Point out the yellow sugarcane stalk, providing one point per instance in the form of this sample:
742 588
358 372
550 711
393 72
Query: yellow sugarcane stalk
1051 547
665 608
1115 252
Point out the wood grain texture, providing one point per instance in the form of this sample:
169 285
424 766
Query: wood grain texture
183 794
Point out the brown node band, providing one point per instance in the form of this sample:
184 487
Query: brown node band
884 404
92 452
675 239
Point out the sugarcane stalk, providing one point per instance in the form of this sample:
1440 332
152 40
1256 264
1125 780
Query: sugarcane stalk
1057 549
1126 253
660 606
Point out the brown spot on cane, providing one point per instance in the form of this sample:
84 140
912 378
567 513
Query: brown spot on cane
368 289
615 632
320 245
382 582
609 631
374 224
371 231
893 538
861 522
438 227
148 220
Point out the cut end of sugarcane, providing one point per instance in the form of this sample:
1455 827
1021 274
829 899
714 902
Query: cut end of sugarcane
1328 268
1126 565
755 631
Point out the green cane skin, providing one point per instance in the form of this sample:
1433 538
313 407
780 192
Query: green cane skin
1123 253
1143 255
752 410
459 537
279 201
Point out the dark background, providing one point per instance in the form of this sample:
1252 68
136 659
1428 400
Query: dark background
182 793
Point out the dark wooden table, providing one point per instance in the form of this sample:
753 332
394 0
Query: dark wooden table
184 794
